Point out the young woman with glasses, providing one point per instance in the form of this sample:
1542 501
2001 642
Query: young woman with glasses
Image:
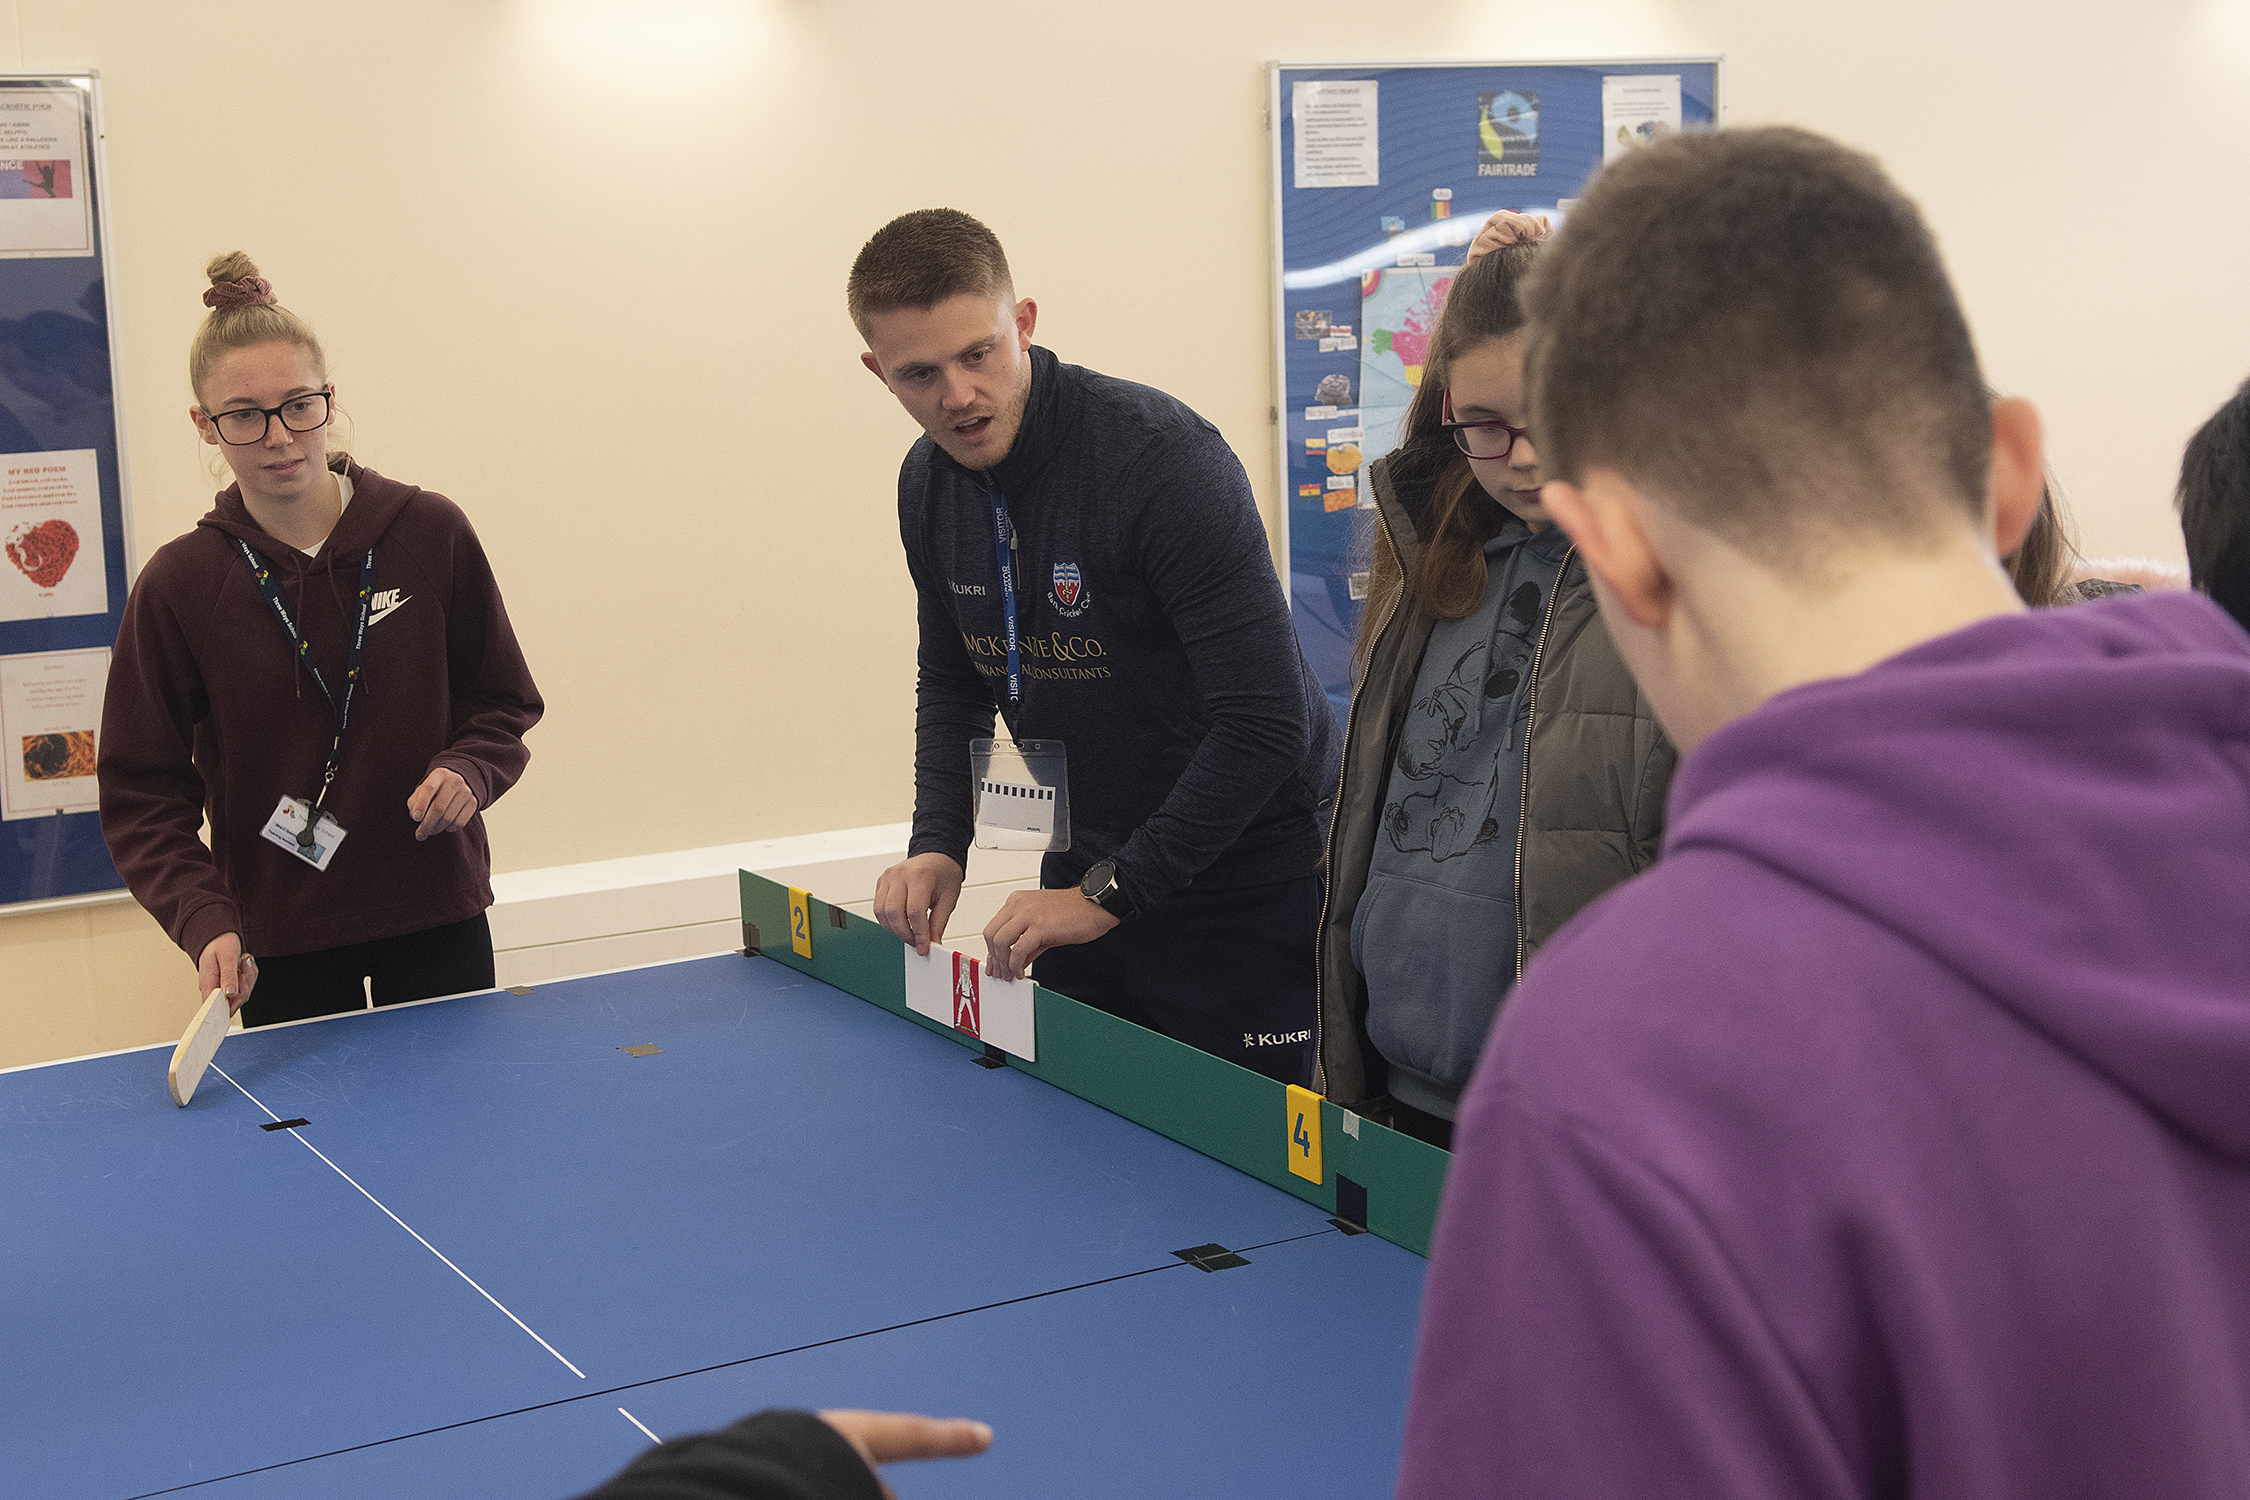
323 667
1500 768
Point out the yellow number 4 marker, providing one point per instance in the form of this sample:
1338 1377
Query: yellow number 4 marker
800 923
1304 1133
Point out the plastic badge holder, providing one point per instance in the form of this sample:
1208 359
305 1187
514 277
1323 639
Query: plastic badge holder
1022 794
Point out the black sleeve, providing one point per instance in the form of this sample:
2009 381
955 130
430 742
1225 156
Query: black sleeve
1201 547
774 1455
953 704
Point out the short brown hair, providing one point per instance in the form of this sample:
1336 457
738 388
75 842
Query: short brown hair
1755 326
921 259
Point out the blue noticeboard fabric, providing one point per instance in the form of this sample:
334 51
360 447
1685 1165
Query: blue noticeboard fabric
1466 131
57 394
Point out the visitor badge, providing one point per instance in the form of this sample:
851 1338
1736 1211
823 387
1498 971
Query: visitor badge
1022 794
288 821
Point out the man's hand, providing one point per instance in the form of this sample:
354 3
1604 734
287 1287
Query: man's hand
225 966
886 1436
915 899
443 803
1505 228
1031 922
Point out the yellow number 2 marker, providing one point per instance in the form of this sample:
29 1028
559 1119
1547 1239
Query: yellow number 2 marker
1304 1133
800 923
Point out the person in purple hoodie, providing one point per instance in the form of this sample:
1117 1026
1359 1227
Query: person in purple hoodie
1891 1136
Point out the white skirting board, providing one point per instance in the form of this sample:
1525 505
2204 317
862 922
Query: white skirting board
650 908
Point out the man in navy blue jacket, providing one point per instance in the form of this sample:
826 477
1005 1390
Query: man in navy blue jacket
1140 623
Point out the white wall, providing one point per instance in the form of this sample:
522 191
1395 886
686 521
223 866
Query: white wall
579 265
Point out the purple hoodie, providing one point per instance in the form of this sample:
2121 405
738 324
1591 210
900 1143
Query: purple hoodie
1891 1136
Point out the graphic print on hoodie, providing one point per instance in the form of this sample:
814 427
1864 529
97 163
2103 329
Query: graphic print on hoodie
1434 935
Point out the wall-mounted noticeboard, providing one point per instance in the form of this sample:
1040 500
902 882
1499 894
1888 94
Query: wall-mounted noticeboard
1382 173
65 538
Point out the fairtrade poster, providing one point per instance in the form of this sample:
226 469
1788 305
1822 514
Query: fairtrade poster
51 536
50 716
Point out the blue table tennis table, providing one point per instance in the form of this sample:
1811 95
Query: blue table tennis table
474 1247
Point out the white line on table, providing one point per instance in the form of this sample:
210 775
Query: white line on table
401 1223
643 1426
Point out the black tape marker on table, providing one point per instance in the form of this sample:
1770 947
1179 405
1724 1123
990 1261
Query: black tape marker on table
286 1124
1211 1257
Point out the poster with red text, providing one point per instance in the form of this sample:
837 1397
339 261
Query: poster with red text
51 536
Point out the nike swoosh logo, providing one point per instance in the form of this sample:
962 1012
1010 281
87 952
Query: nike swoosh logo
375 617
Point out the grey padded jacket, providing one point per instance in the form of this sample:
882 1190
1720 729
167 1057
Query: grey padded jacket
1596 769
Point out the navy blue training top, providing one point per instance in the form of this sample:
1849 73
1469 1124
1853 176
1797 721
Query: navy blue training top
1153 637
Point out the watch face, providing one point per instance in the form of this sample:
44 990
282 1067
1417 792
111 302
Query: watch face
1098 879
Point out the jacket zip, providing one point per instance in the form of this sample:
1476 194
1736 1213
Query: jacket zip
1328 886
1531 722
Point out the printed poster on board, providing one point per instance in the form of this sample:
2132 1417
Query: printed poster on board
1339 142
51 536
1638 109
44 202
50 716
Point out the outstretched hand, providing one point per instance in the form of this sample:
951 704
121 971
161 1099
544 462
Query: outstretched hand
887 1436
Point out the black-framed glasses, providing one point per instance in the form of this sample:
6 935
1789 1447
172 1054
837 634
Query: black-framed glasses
1481 440
250 424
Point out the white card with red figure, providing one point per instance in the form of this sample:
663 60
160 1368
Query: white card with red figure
952 988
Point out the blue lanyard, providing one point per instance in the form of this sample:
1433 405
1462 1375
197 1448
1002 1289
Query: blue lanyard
1003 545
262 574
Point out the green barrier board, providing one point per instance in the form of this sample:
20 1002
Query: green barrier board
1205 1103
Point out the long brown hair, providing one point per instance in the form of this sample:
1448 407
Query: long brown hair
2044 568
1482 304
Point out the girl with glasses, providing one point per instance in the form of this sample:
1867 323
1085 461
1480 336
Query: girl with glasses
1500 768
324 669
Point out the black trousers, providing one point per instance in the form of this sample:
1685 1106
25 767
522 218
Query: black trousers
412 966
1230 972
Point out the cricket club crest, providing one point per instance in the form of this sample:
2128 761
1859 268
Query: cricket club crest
1069 594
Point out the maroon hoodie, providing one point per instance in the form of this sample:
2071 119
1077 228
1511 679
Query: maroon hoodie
209 712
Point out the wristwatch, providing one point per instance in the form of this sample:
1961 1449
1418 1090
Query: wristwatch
1100 887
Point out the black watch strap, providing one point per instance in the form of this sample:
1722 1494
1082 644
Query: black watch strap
1100 887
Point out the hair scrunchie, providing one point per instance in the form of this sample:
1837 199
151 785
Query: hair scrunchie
250 291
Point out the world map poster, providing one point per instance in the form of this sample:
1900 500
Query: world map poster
1398 311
